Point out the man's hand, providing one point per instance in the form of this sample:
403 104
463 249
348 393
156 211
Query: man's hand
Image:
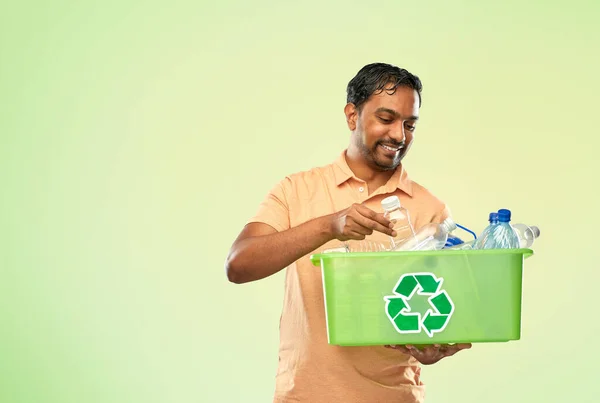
358 221
251 256
430 354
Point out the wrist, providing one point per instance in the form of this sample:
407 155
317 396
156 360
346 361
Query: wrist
325 226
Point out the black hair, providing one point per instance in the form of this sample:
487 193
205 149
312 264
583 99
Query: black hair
377 77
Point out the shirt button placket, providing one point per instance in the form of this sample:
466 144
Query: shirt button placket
361 193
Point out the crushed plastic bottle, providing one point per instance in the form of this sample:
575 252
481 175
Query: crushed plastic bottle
463 246
365 245
341 249
432 236
526 234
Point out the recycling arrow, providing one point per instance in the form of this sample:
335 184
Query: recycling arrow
406 286
398 310
442 302
434 323
395 305
428 283
403 322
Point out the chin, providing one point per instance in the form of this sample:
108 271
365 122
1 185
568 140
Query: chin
386 166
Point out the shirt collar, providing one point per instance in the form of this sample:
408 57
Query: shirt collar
399 180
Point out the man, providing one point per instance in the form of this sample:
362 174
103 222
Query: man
319 208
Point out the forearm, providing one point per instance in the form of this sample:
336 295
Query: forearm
258 257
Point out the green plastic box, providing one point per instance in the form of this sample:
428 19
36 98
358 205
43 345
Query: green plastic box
422 297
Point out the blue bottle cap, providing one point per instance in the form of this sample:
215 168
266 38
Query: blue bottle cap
504 215
493 217
454 240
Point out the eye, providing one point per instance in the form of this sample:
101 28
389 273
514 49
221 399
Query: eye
384 120
410 128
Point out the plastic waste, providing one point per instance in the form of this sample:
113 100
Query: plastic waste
453 241
526 234
463 246
395 212
502 235
432 236
365 245
483 237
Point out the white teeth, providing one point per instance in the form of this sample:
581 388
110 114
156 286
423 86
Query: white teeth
389 148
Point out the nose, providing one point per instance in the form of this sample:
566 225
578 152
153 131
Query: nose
397 133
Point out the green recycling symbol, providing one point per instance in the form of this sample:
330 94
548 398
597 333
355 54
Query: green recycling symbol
398 310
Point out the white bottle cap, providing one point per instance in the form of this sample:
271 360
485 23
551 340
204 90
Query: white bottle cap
390 203
449 224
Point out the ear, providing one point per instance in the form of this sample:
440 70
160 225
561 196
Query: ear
351 116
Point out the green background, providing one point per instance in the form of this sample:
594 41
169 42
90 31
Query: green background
137 137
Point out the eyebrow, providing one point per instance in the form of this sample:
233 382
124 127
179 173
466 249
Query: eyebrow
393 112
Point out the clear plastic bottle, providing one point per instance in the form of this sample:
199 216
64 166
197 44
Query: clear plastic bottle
485 235
462 246
365 245
394 212
526 234
455 242
432 236
339 249
502 236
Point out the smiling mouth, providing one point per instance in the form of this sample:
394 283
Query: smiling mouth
390 148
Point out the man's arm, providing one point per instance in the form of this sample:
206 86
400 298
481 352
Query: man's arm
260 250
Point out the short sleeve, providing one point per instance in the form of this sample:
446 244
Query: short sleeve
274 209
442 214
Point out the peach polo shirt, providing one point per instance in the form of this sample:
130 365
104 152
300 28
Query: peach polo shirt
310 369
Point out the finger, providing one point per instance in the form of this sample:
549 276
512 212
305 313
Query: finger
356 224
453 349
356 235
433 350
365 211
371 224
372 215
415 352
459 346
449 352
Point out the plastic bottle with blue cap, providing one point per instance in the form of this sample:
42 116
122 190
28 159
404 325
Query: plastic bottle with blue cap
502 235
485 235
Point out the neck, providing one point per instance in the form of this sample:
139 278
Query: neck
362 170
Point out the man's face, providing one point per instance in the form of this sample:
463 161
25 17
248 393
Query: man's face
383 129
